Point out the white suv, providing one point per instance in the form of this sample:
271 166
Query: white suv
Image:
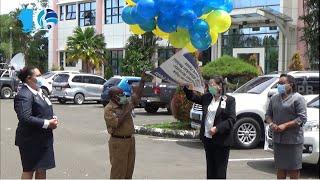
251 102
49 77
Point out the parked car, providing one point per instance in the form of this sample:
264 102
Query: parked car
49 77
157 95
311 134
114 81
251 102
8 83
77 87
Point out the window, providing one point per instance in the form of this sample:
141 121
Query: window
71 11
87 14
113 11
312 85
116 57
62 13
99 80
48 75
77 79
256 85
70 63
89 79
61 58
62 78
113 82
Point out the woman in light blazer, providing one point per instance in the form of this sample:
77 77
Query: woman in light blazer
36 121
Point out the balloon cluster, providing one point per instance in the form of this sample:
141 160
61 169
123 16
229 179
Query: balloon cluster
190 24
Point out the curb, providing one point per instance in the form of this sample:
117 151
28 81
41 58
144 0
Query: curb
183 134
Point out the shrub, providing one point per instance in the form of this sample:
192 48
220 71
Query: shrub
180 106
296 64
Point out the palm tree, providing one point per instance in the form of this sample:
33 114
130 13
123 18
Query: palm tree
87 46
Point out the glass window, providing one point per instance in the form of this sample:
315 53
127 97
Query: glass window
113 11
62 78
62 13
71 12
77 79
48 75
312 85
99 80
113 82
61 58
87 14
89 79
70 63
116 57
256 85
314 103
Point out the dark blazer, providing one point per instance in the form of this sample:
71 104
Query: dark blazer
32 110
224 119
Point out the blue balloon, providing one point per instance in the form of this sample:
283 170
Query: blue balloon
167 23
212 5
127 15
186 19
228 6
166 6
137 18
148 25
126 88
136 1
201 41
200 26
197 7
147 8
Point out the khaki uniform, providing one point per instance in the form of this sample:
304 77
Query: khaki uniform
121 150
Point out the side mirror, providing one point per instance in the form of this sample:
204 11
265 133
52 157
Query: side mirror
272 92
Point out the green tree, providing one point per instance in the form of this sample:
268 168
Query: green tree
311 31
138 56
88 46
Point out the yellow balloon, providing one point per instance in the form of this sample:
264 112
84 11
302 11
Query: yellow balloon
130 3
214 36
219 20
135 29
203 17
180 38
160 33
190 48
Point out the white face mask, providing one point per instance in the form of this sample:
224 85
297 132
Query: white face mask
40 81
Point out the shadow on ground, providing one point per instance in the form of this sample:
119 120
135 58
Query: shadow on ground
191 144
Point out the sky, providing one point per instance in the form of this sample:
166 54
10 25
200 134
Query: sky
9 5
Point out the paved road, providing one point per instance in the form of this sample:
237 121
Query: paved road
82 152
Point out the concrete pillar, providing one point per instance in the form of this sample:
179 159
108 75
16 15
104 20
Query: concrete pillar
99 15
53 48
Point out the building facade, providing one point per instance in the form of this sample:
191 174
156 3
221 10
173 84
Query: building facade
264 29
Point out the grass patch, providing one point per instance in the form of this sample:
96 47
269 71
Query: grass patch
171 125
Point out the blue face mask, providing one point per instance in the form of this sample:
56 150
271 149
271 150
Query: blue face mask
40 81
281 88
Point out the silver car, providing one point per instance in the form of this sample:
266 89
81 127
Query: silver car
77 88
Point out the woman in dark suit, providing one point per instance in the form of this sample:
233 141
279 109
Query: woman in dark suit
36 121
216 127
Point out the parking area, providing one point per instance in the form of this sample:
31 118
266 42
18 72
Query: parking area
81 149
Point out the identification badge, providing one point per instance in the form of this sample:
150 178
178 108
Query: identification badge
223 104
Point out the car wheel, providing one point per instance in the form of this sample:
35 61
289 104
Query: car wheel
151 108
104 103
169 110
61 101
45 92
78 98
6 92
246 133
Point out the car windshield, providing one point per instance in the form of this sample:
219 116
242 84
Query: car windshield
112 82
314 103
47 75
256 85
61 78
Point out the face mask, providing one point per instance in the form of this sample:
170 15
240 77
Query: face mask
213 90
40 81
123 100
281 88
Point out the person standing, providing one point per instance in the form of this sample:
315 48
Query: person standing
216 127
119 122
286 114
34 135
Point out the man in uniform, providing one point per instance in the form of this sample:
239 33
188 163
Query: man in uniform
118 118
